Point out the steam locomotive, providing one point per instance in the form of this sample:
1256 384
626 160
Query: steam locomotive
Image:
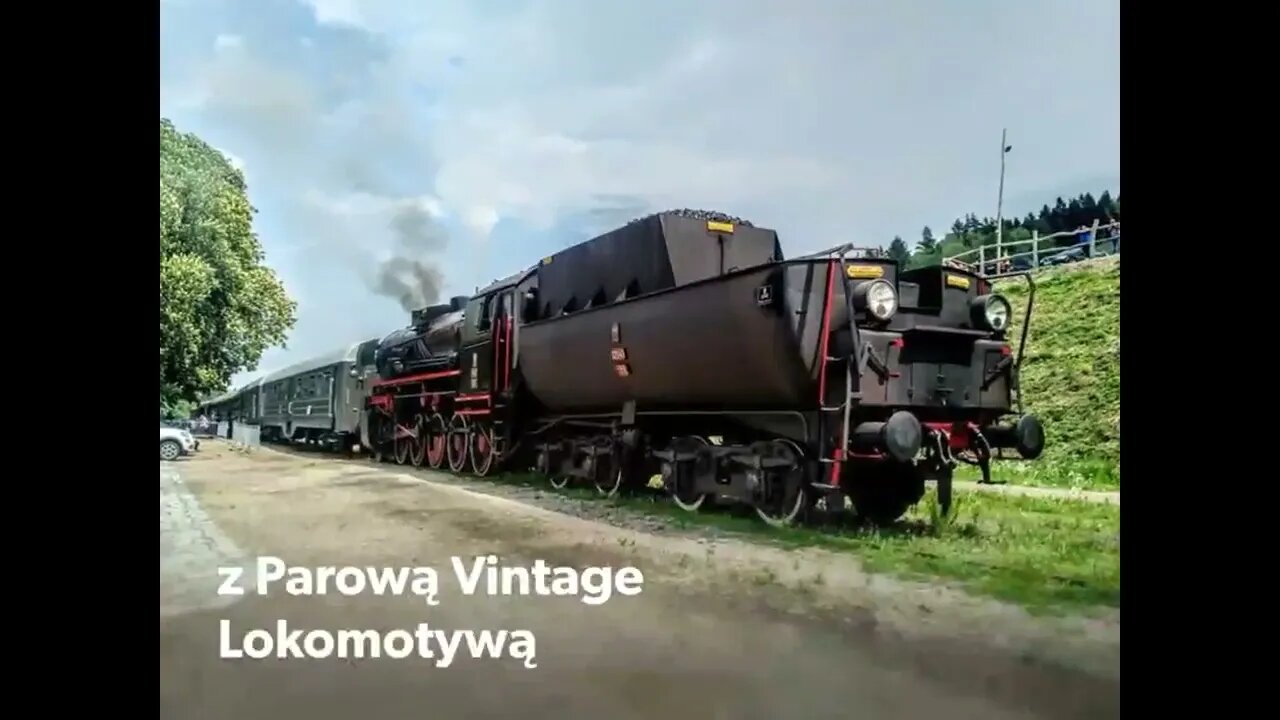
682 351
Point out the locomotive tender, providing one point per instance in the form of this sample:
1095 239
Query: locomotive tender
684 351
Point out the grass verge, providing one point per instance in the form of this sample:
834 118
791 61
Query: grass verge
1070 376
1049 555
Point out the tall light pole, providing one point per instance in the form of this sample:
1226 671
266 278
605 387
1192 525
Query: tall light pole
1005 147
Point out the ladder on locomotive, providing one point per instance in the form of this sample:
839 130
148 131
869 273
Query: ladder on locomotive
500 394
842 411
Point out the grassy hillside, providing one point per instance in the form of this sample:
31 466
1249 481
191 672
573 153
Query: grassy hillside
1071 375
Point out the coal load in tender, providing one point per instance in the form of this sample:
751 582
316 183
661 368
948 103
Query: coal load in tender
701 215
648 255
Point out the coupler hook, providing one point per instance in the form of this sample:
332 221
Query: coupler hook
943 440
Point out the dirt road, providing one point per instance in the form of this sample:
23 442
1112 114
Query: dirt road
720 629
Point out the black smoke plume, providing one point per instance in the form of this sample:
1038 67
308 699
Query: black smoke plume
410 276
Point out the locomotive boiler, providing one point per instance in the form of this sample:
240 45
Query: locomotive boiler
683 351
430 341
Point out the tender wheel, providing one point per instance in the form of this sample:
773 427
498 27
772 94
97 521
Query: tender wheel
170 449
457 443
609 469
545 467
481 447
682 489
882 492
785 494
436 441
418 445
612 483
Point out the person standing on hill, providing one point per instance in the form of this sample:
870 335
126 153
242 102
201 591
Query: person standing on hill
1083 237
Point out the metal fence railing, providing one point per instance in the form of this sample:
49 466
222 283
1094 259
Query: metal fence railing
1099 240
244 435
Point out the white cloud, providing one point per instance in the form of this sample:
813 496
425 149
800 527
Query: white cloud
807 119
509 143
367 205
480 220
226 42
337 12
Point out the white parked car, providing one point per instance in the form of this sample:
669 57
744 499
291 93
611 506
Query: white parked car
176 442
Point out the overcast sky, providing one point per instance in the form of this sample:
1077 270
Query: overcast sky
483 135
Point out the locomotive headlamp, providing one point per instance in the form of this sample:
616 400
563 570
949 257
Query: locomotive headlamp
878 298
991 312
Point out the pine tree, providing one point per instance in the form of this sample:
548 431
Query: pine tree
899 252
927 243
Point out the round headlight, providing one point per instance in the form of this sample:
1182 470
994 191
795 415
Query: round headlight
995 312
882 299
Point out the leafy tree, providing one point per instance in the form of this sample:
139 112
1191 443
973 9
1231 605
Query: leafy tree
180 410
898 251
220 306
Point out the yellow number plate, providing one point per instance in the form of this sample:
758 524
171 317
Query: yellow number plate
862 272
